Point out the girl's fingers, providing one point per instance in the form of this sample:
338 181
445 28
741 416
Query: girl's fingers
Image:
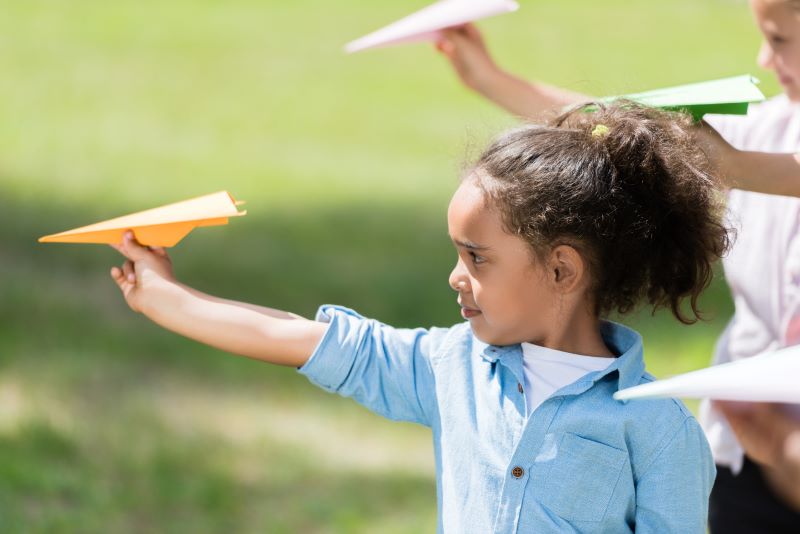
735 408
119 278
460 28
127 269
445 46
132 249
472 32
791 447
458 39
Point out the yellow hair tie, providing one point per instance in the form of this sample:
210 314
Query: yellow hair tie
600 130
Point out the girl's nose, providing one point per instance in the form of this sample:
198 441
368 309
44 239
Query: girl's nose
766 56
458 278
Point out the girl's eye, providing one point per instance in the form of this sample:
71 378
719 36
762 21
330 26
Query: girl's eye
475 258
777 40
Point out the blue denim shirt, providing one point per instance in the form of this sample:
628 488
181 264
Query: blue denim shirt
581 462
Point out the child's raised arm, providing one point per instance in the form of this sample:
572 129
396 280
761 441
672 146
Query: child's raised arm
149 287
465 49
775 174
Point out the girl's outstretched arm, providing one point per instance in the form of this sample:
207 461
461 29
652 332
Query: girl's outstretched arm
465 49
149 287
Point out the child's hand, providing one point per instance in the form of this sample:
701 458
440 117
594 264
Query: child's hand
146 269
766 432
466 50
770 436
721 154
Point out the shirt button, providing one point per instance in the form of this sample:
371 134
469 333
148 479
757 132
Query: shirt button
519 387
517 472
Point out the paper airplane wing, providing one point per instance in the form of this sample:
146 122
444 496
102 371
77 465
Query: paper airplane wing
162 227
424 25
729 96
773 377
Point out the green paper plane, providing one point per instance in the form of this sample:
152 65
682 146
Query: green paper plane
728 96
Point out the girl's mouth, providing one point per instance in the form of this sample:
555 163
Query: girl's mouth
468 313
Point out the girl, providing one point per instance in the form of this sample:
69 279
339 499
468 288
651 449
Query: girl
762 269
555 227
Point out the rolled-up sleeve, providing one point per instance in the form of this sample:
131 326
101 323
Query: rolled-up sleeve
386 369
672 495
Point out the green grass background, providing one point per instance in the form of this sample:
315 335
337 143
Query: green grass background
107 423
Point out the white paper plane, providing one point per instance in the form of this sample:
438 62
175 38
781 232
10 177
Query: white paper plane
427 23
772 377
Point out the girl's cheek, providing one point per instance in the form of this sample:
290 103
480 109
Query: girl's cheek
476 288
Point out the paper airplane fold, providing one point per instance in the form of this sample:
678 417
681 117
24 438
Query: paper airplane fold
727 96
773 377
164 226
425 24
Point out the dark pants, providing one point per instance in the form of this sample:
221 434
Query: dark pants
744 504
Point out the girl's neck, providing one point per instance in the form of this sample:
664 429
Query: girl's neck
579 334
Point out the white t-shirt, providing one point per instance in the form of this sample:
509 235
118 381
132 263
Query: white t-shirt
548 370
763 265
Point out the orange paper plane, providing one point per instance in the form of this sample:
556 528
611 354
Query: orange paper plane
158 227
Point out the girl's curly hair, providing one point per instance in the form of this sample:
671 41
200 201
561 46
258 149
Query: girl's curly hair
628 187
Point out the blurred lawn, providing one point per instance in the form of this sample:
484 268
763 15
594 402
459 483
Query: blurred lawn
108 424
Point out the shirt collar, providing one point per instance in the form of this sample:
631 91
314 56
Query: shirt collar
628 344
620 339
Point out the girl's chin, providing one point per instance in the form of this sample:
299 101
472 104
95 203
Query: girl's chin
792 93
791 88
486 335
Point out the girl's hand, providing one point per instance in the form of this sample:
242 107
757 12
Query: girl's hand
721 155
770 435
467 52
146 270
766 432
761 172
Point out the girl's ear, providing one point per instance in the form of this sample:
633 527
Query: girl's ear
567 268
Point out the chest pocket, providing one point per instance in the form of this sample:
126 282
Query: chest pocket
582 478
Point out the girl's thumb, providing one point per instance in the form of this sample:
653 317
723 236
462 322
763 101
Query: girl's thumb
133 250
445 46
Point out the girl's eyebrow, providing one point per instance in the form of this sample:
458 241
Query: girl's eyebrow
469 245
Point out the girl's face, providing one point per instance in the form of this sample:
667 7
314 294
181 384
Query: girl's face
502 290
779 22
